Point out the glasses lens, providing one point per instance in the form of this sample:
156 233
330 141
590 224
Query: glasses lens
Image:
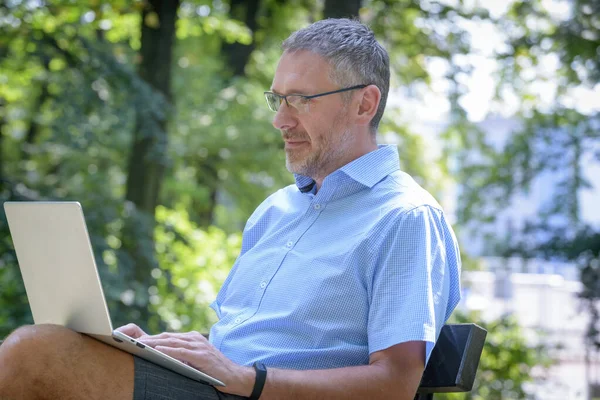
299 102
273 101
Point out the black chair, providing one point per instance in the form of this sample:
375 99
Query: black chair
453 362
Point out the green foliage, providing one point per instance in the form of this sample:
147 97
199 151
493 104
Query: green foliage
70 94
195 263
14 308
556 135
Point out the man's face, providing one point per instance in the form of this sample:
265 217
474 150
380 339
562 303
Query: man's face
317 142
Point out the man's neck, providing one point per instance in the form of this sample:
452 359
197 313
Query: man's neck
353 156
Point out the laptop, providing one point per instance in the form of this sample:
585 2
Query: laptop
62 282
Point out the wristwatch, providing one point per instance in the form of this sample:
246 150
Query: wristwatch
259 383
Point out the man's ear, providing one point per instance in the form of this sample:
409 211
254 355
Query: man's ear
368 104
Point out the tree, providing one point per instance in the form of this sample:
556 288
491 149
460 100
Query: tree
148 154
162 142
341 9
557 135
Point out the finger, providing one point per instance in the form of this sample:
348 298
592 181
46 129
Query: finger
188 336
173 342
184 355
132 330
195 336
159 336
164 335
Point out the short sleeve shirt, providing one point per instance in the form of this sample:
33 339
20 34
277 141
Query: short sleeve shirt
326 278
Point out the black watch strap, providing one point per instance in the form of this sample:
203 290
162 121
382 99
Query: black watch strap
259 383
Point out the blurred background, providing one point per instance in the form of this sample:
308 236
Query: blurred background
151 114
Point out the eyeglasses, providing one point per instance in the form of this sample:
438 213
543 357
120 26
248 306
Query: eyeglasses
299 101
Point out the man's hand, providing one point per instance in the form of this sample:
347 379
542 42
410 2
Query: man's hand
132 330
193 349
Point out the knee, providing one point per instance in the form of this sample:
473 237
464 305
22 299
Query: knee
26 359
32 335
30 344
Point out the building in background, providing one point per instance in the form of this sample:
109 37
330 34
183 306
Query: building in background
543 296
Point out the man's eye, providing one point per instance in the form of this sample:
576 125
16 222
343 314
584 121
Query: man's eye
298 99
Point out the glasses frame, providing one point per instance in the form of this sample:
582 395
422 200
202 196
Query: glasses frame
284 97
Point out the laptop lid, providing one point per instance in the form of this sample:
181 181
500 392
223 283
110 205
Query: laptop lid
57 264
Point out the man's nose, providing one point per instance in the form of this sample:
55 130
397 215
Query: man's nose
284 119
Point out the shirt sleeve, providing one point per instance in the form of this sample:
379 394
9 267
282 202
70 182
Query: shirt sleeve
415 282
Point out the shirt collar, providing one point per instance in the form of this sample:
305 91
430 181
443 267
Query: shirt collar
304 183
366 170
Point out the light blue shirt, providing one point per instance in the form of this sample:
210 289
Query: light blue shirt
323 280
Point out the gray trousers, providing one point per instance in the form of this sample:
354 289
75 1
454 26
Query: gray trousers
153 382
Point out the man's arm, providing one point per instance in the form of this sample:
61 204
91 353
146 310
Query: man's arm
393 373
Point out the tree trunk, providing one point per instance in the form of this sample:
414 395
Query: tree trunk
148 154
2 122
147 158
341 8
34 127
208 177
3 53
236 56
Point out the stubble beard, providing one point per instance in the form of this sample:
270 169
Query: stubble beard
323 160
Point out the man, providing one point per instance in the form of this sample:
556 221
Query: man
344 279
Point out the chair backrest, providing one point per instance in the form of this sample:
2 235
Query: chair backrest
454 359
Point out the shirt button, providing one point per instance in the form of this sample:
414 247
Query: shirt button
263 285
238 320
290 244
317 206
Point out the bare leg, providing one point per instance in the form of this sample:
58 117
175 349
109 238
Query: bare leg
52 362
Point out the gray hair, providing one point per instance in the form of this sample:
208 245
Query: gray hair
352 51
